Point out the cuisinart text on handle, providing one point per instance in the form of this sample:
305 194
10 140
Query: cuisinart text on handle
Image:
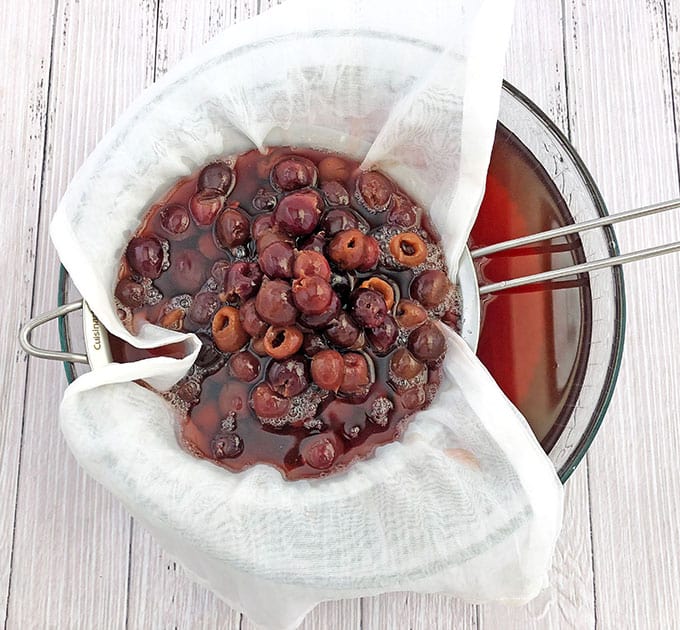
96 333
96 340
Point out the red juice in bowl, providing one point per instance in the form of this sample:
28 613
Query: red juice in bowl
534 340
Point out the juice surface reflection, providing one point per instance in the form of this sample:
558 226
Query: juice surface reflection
534 340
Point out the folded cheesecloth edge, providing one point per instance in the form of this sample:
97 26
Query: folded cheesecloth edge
411 89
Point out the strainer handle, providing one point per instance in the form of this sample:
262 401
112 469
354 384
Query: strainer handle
44 318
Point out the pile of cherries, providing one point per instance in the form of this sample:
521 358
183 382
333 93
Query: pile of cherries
315 289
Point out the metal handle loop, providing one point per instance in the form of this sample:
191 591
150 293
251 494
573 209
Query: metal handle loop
31 325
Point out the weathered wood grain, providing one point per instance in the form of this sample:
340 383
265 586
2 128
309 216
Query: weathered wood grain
622 122
23 93
617 94
406 611
71 540
184 26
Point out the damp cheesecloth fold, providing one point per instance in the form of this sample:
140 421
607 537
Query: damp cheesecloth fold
466 503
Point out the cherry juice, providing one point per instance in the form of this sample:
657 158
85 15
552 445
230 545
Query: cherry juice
545 328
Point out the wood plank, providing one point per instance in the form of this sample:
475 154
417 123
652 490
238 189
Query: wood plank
183 26
622 123
535 64
22 136
72 538
406 611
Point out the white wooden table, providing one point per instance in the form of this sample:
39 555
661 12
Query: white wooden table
70 557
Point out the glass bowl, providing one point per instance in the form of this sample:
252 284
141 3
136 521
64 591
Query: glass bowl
601 350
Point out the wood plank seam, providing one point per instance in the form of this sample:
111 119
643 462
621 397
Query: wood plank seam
590 524
35 235
672 86
132 525
567 117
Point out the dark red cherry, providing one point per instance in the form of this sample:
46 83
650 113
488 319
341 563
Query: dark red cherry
312 295
431 288
310 263
274 303
328 369
252 323
313 344
217 176
404 366
205 205
203 307
315 242
325 318
145 255
130 293
383 337
298 213
413 398
318 451
232 228
342 331
357 375
374 190
242 281
175 220
226 446
339 220
368 308
276 260
402 213
371 254
427 343
336 194
267 403
292 173
272 235
261 224
244 366
288 377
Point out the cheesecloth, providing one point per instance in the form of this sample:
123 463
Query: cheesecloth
466 503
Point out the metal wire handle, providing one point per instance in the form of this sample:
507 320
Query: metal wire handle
36 322
554 274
